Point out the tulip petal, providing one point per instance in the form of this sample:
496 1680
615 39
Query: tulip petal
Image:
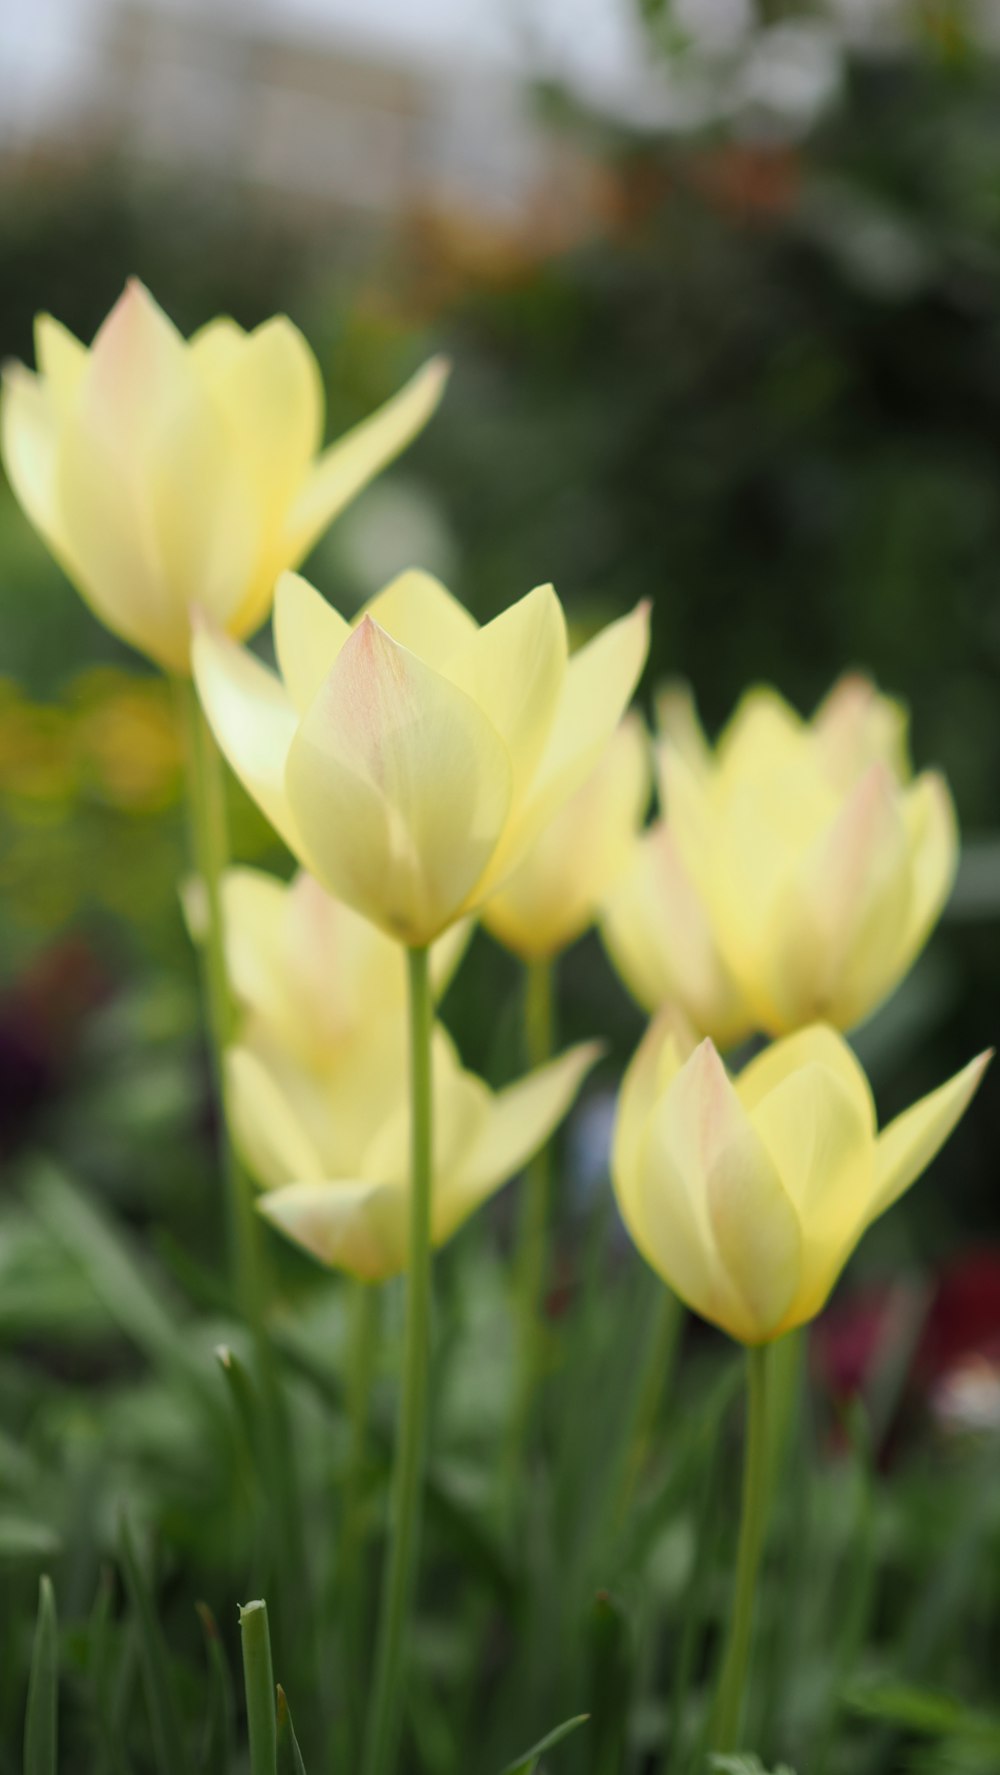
513 669
270 1136
460 1104
518 1120
354 460
61 359
598 684
136 364
710 1182
254 723
353 1225
253 919
817 1045
667 1044
421 614
818 1131
30 451
932 833
906 1147
400 785
308 635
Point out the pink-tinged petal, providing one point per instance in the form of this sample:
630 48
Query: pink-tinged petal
400 786
907 1146
421 614
254 723
356 1226
308 635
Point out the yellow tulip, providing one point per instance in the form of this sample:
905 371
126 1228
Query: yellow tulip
657 931
332 1152
167 475
309 975
748 1196
555 891
821 865
409 760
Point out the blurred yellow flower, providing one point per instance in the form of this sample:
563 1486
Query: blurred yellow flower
748 1196
307 973
332 1149
167 475
822 867
555 891
409 761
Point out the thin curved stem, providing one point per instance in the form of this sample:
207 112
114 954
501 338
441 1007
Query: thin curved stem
209 846
728 1710
382 1737
532 1252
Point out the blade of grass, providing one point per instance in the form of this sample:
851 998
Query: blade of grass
528 1763
41 1721
289 1755
258 1677
217 1749
168 1743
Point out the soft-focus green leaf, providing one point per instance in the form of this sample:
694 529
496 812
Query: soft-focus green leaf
528 1763
41 1719
168 1743
217 1748
289 1755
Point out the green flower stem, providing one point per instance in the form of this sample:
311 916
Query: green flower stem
532 1253
655 1377
757 1467
382 1737
363 1333
210 853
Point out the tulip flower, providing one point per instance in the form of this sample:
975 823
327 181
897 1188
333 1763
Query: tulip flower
821 865
309 975
749 1195
657 931
556 889
409 760
167 475
332 1153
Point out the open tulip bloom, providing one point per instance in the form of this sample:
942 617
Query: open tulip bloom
410 759
332 1151
167 475
748 1195
798 872
556 889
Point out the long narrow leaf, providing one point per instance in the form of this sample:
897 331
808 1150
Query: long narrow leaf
217 1747
258 1677
528 1763
41 1722
168 1744
289 1755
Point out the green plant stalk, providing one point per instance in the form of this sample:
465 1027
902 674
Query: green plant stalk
41 1720
258 1678
655 1377
399 1583
532 1249
727 1714
348 1602
209 847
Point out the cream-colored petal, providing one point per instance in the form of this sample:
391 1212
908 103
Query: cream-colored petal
855 726
352 1225
517 1121
253 918
61 359
817 1045
678 723
214 347
823 1146
348 465
30 450
421 614
344 1098
932 833
667 1044
831 944
460 1103
136 366
308 635
705 1149
254 723
400 786
656 930
555 891
514 669
597 687
760 736
271 1138
906 1147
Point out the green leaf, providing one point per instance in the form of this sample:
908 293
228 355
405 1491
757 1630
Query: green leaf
41 1721
289 1755
258 1677
745 1765
168 1743
528 1763
217 1748
928 1711
23 1537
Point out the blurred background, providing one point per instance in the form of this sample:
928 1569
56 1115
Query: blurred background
721 280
